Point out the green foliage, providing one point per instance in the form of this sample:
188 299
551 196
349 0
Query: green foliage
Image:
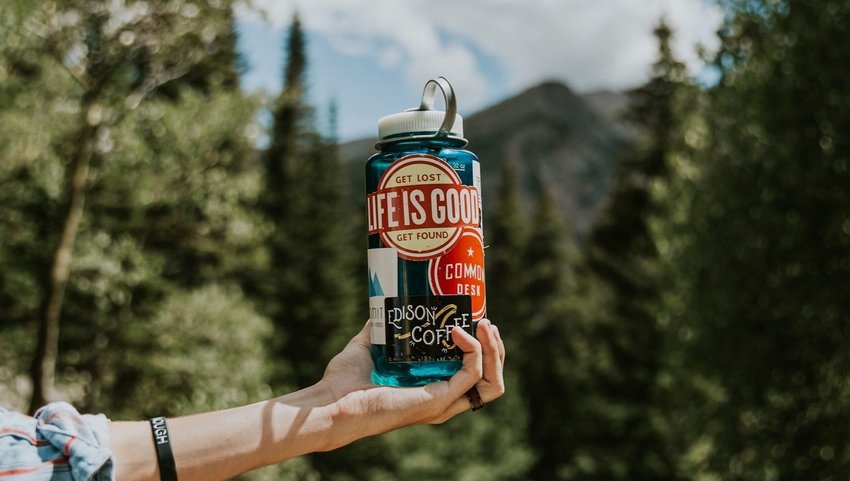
547 322
547 261
179 222
167 228
466 448
506 234
764 304
193 202
296 469
624 433
310 300
176 361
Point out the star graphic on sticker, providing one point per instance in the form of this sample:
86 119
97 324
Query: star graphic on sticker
470 252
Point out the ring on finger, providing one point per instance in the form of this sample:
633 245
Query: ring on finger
475 398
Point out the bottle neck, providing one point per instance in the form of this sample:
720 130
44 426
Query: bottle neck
435 144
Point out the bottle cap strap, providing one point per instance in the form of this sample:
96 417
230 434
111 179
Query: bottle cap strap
429 94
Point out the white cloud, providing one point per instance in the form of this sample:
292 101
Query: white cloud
589 44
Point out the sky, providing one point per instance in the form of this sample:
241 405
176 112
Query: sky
373 57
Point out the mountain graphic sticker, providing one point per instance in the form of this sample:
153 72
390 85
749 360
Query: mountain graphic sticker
375 286
383 283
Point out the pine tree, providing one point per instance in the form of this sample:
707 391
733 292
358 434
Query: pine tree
625 288
284 202
310 278
506 233
542 336
327 224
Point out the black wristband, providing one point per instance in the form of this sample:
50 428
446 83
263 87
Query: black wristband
164 454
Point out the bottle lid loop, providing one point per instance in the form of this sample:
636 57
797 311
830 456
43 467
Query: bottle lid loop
429 94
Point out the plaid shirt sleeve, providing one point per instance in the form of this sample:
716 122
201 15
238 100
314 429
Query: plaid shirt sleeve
58 444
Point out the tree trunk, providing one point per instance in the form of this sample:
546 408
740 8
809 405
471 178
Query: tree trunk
43 367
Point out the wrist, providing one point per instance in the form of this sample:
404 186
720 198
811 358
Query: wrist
342 415
326 416
301 423
322 393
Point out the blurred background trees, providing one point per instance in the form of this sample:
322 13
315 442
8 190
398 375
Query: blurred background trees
762 261
682 316
126 197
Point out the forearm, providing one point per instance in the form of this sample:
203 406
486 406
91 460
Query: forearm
343 407
221 444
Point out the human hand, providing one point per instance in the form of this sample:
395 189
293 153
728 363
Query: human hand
362 409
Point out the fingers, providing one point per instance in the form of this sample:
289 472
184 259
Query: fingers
491 386
445 394
492 361
458 406
501 344
471 370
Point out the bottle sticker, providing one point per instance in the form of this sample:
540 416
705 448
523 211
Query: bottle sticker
476 182
421 207
419 328
460 271
383 283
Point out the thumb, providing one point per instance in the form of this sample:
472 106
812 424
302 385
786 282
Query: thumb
472 369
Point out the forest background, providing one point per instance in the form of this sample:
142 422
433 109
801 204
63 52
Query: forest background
685 319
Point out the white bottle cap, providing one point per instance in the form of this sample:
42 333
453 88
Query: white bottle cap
417 122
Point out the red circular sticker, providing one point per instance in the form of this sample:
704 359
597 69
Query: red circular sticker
460 271
421 206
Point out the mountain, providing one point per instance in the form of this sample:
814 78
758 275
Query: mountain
555 136
612 106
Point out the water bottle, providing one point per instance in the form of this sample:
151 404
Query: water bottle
425 242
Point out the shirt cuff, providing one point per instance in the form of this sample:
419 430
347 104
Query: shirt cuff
83 439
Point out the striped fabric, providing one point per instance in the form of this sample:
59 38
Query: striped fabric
58 444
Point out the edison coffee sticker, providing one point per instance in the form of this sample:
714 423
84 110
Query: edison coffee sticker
419 328
421 207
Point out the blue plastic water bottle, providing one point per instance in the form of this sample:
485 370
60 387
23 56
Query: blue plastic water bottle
426 250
